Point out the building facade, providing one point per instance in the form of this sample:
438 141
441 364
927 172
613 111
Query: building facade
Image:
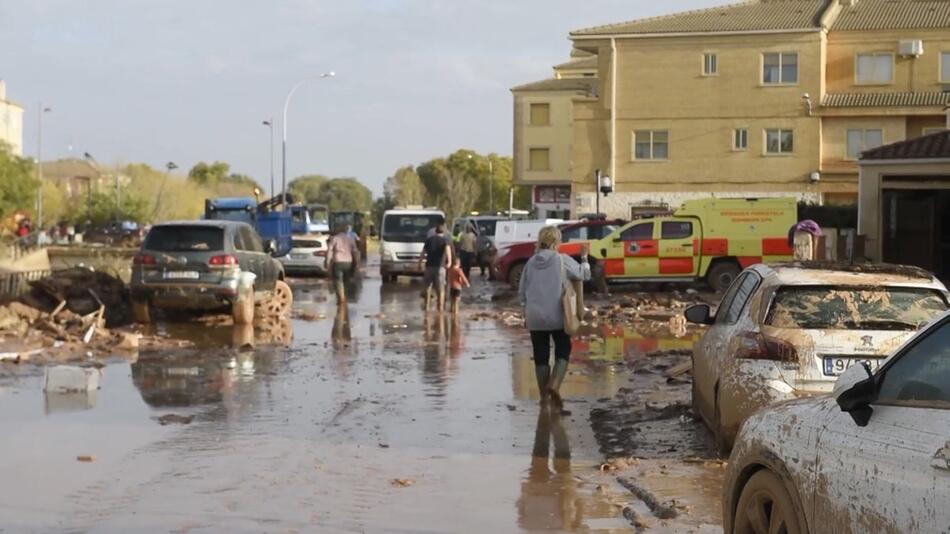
762 98
11 122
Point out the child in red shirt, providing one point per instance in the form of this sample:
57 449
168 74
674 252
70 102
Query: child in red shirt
456 279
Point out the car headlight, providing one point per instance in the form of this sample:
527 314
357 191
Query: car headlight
388 255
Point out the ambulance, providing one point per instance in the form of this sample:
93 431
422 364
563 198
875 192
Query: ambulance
706 239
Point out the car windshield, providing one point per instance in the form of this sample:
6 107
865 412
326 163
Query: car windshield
487 228
849 307
409 228
185 238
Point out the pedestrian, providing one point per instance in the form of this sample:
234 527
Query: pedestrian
342 255
437 255
483 246
466 249
457 280
545 277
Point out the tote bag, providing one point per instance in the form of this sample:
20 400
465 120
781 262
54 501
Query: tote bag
571 305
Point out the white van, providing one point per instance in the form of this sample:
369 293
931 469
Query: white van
510 232
402 233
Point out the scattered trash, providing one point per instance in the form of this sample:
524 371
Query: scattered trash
402 482
85 458
175 419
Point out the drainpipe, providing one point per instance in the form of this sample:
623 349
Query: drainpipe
613 108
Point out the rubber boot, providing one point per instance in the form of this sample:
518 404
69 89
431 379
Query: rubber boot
557 377
543 374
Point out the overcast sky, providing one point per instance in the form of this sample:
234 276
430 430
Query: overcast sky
190 80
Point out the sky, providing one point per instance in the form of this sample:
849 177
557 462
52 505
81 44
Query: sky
192 80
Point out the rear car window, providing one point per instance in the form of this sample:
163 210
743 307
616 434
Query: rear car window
307 243
848 307
185 238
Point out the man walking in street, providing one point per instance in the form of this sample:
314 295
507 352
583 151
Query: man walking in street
342 256
466 248
437 255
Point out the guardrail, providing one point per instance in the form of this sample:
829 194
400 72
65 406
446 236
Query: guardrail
15 284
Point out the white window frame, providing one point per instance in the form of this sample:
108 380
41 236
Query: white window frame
781 58
890 81
943 76
864 141
735 136
780 153
633 145
707 73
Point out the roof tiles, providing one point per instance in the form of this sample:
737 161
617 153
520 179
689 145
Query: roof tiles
877 100
563 84
893 15
936 145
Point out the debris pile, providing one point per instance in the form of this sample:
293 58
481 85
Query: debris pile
84 291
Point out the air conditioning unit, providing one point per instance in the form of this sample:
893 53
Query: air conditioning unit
910 47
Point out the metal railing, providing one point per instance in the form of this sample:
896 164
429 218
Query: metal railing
15 284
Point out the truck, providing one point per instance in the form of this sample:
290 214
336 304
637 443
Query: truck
273 225
403 231
310 219
709 239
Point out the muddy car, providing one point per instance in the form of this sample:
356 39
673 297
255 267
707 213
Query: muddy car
208 266
785 331
307 257
872 457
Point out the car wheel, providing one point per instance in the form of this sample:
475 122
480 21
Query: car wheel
243 310
514 275
722 274
281 301
765 507
141 312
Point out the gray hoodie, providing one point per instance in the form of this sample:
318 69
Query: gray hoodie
541 289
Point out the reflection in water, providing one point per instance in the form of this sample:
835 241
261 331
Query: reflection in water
548 498
441 348
73 401
341 333
265 331
618 343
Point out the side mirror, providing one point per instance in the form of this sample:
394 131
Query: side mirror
617 240
270 246
854 391
699 314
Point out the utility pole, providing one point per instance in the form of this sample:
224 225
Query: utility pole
270 125
283 146
491 186
39 164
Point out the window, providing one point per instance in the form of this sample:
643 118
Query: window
779 141
651 144
638 232
780 68
676 230
578 233
920 377
600 232
876 68
540 114
710 65
744 291
945 67
728 298
539 159
181 238
251 241
740 139
861 140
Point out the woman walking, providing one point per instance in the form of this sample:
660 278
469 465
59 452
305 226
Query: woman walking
545 277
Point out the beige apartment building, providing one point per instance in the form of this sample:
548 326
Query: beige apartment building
11 122
762 98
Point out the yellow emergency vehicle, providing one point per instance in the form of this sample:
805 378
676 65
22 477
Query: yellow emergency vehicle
706 239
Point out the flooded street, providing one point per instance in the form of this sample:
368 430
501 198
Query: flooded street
373 419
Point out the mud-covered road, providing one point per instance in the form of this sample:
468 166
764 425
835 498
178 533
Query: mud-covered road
373 419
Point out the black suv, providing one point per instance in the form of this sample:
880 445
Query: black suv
208 266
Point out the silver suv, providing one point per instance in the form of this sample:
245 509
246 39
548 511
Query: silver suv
208 266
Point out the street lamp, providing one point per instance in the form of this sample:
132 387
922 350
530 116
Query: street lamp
491 188
270 126
39 164
169 167
604 185
283 148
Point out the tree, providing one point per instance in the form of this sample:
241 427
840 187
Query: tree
19 188
405 188
218 173
380 205
306 188
103 208
345 194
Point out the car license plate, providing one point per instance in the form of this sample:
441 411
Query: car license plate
181 275
834 366
299 256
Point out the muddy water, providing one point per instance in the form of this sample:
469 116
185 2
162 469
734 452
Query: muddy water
371 418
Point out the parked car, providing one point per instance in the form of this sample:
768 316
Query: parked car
872 457
784 331
125 233
208 266
511 260
308 255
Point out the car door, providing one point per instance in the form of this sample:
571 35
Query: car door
713 348
633 253
266 268
893 475
677 248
